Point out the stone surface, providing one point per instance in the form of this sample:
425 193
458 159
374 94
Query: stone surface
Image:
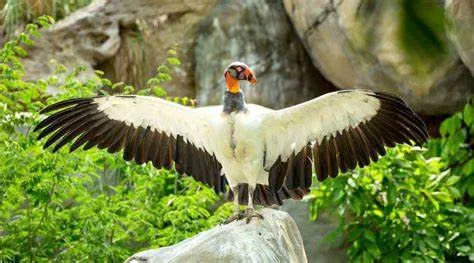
318 249
258 33
274 239
460 32
127 39
354 43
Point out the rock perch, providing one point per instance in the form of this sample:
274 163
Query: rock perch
274 239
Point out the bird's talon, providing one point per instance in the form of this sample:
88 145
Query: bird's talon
252 213
235 216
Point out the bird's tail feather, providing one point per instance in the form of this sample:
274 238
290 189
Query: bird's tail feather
263 195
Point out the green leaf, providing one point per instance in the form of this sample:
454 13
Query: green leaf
450 125
432 242
378 213
468 167
369 235
355 234
366 257
468 114
464 249
442 196
452 180
373 250
99 72
356 205
174 61
117 85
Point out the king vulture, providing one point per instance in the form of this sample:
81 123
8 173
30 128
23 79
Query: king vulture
264 155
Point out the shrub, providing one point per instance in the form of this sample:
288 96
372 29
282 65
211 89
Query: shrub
455 147
89 206
414 204
15 13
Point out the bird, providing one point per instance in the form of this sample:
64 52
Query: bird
258 155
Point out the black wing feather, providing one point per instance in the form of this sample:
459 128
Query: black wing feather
82 121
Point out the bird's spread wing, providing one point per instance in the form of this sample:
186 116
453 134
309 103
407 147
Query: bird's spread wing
147 128
336 132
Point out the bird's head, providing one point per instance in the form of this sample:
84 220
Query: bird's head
236 72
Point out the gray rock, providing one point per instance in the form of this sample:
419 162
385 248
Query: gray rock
127 39
258 33
355 44
460 32
314 233
274 239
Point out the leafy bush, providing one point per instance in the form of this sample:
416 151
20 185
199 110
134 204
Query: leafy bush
89 206
15 13
455 147
409 205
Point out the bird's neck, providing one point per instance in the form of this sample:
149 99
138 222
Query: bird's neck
232 83
234 102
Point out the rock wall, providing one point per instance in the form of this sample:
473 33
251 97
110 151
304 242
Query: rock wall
461 15
299 49
355 44
126 39
259 34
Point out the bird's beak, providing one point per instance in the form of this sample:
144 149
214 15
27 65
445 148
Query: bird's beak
253 80
250 76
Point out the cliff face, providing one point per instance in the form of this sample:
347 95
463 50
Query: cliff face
259 34
298 49
356 44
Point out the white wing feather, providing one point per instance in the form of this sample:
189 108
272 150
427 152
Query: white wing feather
165 116
290 129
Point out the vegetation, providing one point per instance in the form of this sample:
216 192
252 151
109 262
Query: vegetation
86 206
414 204
455 148
16 13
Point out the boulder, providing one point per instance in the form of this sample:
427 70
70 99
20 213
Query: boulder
127 39
291 45
273 239
319 248
356 44
461 14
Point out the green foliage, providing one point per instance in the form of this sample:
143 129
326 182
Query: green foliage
92 205
86 206
15 13
455 148
413 204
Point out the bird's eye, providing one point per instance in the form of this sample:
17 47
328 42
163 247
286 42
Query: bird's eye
232 72
250 77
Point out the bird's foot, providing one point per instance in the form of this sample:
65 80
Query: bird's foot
250 212
235 216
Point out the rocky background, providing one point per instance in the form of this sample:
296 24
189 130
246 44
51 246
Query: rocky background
298 49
